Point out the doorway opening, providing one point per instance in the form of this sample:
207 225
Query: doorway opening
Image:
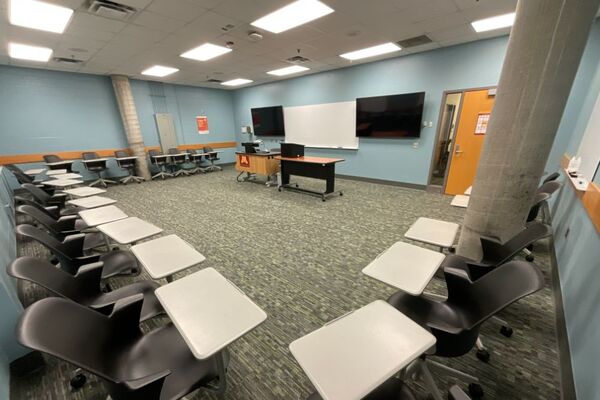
446 132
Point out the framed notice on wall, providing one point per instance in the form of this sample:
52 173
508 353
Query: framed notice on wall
202 124
482 123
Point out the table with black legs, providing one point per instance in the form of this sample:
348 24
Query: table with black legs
310 167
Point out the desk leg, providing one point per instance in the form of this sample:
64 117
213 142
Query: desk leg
330 179
220 388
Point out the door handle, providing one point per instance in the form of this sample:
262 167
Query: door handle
457 150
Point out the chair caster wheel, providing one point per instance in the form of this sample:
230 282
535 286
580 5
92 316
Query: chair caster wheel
506 331
475 391
483 355
77 380
279 189
530 258
341 194
297 185
323 199
452 250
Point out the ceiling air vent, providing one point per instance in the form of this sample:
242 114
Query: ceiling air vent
110 9
297 60
213 80
66 60
414 41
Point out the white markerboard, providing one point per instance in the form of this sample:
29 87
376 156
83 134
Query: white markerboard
322 125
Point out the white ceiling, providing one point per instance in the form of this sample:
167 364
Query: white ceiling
163 29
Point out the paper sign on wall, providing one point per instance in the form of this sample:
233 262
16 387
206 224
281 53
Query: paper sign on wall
482 123
202 124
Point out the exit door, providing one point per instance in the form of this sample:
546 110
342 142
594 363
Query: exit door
472 127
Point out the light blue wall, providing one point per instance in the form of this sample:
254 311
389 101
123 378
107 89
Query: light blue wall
577 244
185 103
471 65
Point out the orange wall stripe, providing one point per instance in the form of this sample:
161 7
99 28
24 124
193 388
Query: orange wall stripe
76 155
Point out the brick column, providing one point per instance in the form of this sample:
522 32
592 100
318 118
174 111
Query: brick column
131 123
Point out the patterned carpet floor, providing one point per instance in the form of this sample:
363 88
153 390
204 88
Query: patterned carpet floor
300 260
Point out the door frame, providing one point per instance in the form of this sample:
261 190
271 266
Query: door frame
439 126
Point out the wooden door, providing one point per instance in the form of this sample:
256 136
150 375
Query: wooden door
472 124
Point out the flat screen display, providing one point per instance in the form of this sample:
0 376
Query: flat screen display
395 116
268 121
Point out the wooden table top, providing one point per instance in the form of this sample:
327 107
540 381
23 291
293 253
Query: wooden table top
270 153
313 160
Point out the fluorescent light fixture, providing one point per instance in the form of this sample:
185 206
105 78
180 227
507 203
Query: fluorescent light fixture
205 52
159 70
294 69
236 82
293 15
497 22
39 15
372 51
31 53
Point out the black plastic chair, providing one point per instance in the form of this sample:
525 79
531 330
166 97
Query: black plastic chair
63 226
96 167
177 161
195 158
552 177
71 257
211 156
129 166
44 198
21 176
160 162
135 366
52 158
550 187
455 321
84 287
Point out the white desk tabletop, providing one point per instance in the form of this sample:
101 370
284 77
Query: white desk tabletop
166 255
406 267
178 154
101 215
84 191
353 355
160 155
56 172
92 202
95 160
468 191
129 230
209 311
460 200
62 182
35 171
63 162
126 158
433 231
66 176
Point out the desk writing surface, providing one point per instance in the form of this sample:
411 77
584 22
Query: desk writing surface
351 356
460 200
101 215
56 172
63 162
62 182
209 311
35 171
314 160
126 158
84 191
129 230
433 231
66 176
91 160
91 202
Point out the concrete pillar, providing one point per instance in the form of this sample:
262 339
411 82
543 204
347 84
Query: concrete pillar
544 50
131 123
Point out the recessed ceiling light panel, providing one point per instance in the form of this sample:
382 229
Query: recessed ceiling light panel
236 82
295 14
372 51
39 15
205 52
497 22
30 53
288 70
159 70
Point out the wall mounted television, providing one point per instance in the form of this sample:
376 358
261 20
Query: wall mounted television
268 121
395 116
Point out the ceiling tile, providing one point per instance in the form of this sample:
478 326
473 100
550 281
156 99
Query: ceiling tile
152 20
177 9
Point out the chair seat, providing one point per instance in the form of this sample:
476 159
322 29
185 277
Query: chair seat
119 262
151 306
392 389
80 225
164 348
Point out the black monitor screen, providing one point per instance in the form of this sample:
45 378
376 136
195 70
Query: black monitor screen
268 121
395 116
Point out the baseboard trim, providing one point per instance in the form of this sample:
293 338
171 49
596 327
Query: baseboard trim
382 181
567 381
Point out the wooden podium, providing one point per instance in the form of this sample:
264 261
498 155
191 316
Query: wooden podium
256 164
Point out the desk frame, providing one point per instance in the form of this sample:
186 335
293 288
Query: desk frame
310 167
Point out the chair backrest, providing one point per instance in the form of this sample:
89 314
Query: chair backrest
21 176
177 158
90 155
497 254
65 252
121 153
479 300
174 150
41 196
550 187
538 200
40 216
50 158
552 177
207 149
153 153
77 334
59 282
